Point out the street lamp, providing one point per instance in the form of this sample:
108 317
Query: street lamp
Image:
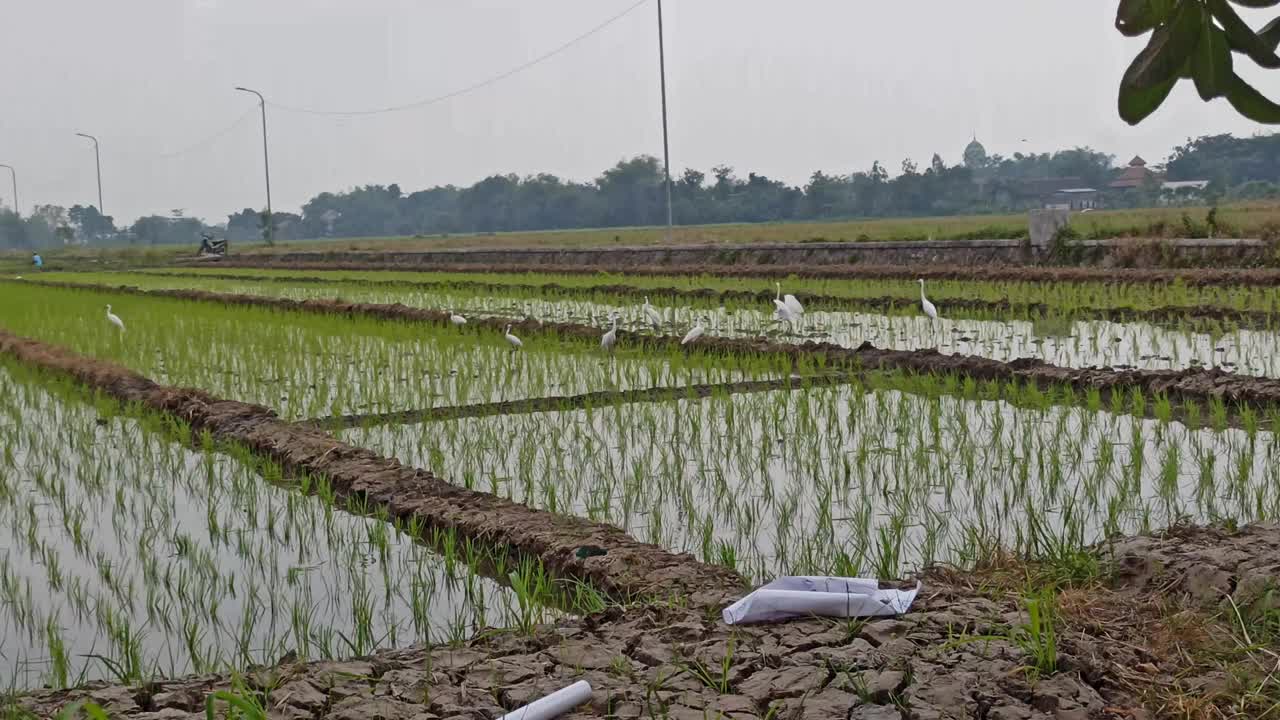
97 158
666 147
266 161
13 174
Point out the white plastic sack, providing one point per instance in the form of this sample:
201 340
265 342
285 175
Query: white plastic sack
800 596
553 705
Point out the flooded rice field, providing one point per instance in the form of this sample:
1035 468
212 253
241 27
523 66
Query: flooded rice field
128 550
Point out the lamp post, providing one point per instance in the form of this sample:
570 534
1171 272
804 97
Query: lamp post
666 147
97 159
266 161
13 175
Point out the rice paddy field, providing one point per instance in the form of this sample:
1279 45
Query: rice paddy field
132 547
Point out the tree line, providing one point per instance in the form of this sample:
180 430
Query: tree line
632 193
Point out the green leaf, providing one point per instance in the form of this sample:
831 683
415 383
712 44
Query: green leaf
1168 50
1137 103
1250 103
1211 63
1270 34
1138 17
1242 37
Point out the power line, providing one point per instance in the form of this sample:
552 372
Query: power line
209 139
470 88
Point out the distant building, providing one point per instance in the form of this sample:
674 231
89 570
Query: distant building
1074 199
975 155
1065 193
1182 191
1134 176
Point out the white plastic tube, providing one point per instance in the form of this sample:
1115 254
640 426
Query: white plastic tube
801 596
553 705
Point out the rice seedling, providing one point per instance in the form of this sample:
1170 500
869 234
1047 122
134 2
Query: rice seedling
1066 342
877 477
1060 295
306 365
132 552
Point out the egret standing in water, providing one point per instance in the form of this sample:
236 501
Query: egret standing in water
114 319
654 317
927 306
790 301
457 319
783 313
693 334
610 338
515 341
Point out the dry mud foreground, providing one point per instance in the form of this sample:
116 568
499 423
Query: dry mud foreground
1157 636
1006 273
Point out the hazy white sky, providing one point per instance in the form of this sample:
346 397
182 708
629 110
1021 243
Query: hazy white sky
780 88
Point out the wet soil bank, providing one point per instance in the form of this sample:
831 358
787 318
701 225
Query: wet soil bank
1009 273
603 398
1137 644
625 569
1193 385
1243 318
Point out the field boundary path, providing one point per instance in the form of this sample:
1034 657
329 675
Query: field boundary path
1245 318
616 564
1019 273
1194 385
1129 642
602 398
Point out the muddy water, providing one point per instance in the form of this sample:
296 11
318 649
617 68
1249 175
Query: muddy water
842 480
116 541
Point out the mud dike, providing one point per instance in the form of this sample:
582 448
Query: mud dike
1008 273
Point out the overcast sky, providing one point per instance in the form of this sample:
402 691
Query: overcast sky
780 88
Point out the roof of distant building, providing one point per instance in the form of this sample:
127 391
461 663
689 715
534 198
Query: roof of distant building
1136 175
1180 184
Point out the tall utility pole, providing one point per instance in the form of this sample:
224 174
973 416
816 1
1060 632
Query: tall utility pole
666 146
13 175
266 162
97 159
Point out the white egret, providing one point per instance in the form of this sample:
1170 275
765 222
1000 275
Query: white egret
693 334
457 319
927 306
515 341
782 312
610 338
650 312
791 302
114 319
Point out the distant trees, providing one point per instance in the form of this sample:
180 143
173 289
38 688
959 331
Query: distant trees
1227 160
250 225
632 193
90 225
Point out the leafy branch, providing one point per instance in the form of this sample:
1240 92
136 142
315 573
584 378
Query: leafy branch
1196 40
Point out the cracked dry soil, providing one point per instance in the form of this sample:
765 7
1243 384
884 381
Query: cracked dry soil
941 660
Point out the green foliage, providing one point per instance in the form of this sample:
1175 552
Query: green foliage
1196 40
